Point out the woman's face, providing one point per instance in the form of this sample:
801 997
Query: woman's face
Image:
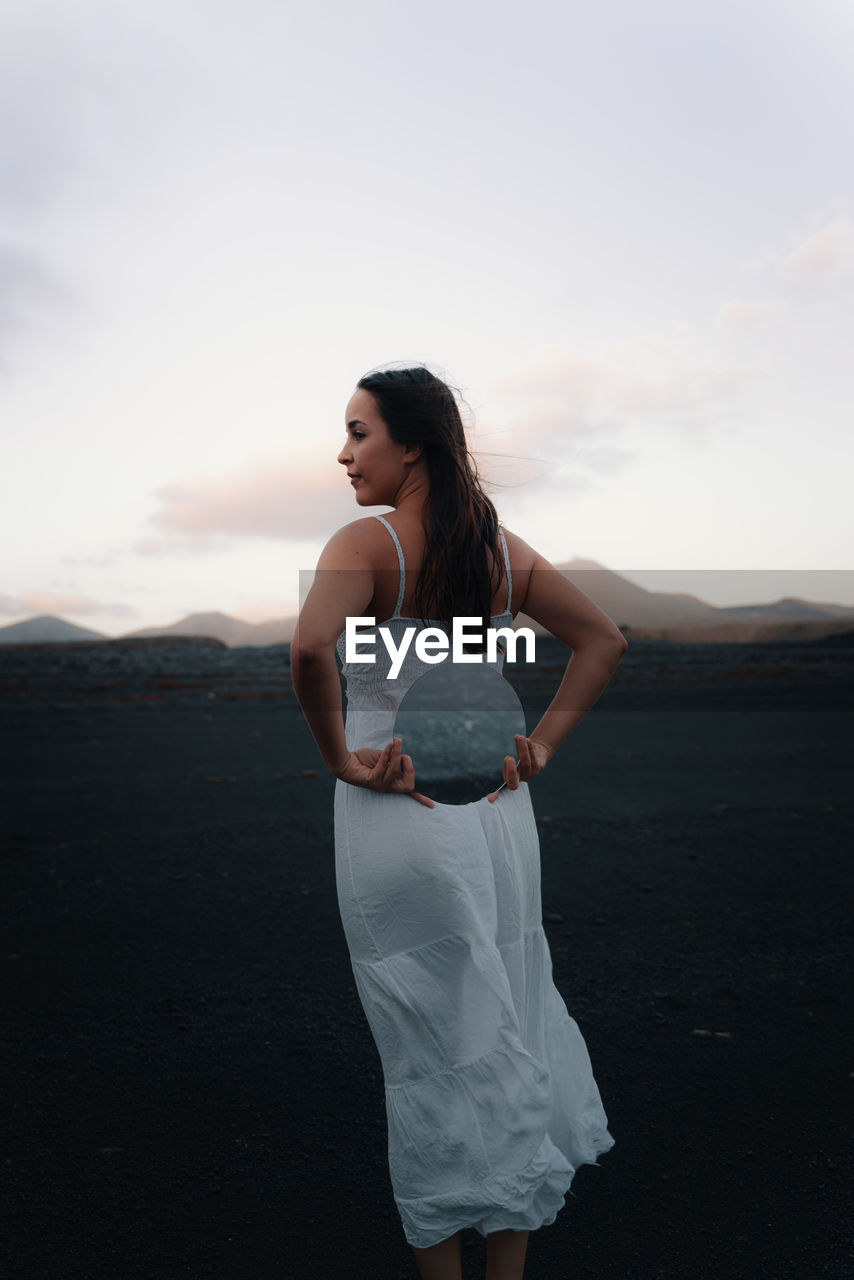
375 462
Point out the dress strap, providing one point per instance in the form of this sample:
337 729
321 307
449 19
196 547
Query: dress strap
507 566
400 564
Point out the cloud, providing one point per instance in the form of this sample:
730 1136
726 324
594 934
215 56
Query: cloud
268 497
741 315
38 602
565 398
827 254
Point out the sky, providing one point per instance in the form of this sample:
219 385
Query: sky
625 232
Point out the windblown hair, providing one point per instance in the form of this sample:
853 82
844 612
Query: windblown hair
460 522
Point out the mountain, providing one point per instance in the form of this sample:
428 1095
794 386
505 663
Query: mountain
644 615
233 632
629 605
46 629
677 615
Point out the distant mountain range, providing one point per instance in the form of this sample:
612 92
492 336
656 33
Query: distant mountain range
45 629
653 615
233 632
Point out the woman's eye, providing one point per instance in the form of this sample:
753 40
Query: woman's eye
358 435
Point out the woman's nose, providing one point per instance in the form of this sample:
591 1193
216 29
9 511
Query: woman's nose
344 455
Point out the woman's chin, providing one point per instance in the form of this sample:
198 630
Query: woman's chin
365 498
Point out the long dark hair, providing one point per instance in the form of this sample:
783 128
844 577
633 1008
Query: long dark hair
459 520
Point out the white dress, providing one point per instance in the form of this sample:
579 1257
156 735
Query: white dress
490 1096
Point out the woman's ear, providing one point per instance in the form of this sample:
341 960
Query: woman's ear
412 452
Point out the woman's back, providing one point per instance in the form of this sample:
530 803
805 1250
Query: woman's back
381 554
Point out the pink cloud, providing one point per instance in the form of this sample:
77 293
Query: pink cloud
267 497
564 395
827 253
741 315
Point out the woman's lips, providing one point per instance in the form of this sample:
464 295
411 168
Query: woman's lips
353 479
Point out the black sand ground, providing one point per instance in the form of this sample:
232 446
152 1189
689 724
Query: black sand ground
191 1089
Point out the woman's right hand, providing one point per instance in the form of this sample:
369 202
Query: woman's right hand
533 758
386 770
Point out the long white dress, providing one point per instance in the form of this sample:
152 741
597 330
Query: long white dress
490 1096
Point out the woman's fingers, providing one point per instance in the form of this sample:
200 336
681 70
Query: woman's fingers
407 782
392 764
523 749
511 779
533 756
511 774
407 773
390 770
398 771
394 771
388 764
401 770
514 771
416 795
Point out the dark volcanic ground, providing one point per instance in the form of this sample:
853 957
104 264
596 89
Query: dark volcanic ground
191 1089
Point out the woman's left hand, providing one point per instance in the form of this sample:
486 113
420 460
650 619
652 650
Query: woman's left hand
386 770
533 758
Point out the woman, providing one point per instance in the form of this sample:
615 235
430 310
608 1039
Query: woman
490 1096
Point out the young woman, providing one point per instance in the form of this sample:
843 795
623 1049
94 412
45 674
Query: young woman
490 1096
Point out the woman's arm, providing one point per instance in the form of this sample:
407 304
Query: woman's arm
318 689
597 647
343 586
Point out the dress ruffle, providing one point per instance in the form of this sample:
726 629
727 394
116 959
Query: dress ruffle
482 1131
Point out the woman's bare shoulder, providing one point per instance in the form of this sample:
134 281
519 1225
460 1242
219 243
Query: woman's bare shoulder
522 556
357 542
